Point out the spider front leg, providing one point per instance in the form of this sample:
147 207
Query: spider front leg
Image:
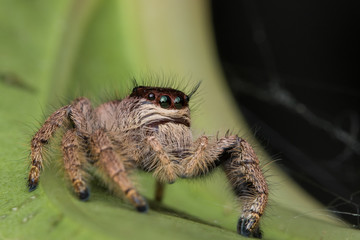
103 151
241 167
166 171
79 113
41 138
243 171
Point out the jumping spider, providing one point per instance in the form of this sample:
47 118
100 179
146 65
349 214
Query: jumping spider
149 130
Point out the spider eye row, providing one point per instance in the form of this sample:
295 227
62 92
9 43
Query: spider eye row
165 101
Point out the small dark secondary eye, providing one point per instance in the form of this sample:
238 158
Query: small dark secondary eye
151 96
187 99
134 89
178 102
165 101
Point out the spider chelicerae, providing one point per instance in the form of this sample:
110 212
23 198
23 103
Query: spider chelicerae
149 130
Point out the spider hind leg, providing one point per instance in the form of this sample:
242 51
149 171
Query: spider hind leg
73 165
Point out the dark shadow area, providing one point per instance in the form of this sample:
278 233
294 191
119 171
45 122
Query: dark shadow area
293 69
156 206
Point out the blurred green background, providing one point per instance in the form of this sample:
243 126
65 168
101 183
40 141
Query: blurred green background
52 51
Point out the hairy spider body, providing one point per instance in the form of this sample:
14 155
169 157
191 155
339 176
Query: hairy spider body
150 130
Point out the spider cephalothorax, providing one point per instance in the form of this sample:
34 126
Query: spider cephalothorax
149 130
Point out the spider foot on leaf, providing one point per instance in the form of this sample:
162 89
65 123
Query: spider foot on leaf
142 209
244 228
81 190
32 185
137 200
84 195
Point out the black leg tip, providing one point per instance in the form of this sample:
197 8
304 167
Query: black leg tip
84 195
243 230
32 186
257 233
142 209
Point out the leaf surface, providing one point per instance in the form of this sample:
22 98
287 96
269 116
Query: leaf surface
51 52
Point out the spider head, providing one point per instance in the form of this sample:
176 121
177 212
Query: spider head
166 98
163 105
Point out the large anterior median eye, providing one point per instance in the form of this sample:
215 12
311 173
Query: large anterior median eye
165 101
178 102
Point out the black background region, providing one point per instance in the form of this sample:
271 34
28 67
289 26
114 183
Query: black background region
293 67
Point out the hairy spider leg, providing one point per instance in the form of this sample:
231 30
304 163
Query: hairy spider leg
77 113
243 171
165 170
103 150
73 164
82 117
75 140
41 138
241 167
199 163
204 158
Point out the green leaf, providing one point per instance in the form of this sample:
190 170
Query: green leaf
52 51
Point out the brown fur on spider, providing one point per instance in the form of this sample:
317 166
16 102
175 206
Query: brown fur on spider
150 130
